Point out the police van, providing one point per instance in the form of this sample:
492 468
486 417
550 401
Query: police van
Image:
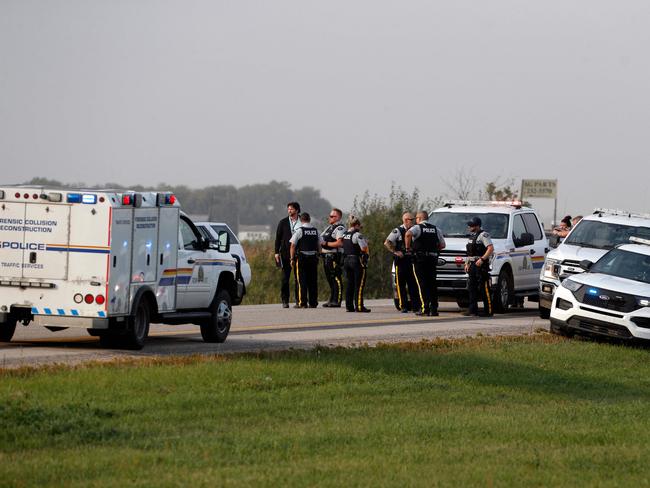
520 246
110 262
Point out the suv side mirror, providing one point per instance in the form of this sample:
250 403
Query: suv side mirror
223 241
586 264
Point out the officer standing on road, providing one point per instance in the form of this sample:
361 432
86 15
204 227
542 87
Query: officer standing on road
332 249
477 266
425 241
305 247
403 266
355 262
286 228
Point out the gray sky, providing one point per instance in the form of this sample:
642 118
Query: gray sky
342 95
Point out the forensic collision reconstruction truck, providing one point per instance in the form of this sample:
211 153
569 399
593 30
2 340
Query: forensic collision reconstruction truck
110 261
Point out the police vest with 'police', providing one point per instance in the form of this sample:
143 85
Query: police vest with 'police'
349 247
309 240
427 241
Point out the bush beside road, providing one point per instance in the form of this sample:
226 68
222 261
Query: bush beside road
528 411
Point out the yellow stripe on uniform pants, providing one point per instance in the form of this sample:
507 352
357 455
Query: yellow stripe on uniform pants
419 289
487 297
399 294
298 282
360 293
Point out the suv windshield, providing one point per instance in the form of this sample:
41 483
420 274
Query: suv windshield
454 224
624 264
603 235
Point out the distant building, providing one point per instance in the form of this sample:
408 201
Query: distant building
254 232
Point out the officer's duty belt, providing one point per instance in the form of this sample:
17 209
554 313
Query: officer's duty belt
423 253
308 253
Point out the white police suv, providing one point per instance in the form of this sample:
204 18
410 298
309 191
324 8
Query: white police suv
611 298
519 250
590 239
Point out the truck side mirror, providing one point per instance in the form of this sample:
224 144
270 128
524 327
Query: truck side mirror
223 241
586 264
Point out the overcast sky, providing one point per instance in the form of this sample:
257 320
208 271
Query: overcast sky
346 96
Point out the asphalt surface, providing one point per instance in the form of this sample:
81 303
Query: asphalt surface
270 327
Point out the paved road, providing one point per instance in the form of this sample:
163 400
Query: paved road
269 327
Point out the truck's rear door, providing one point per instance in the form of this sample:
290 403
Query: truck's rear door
47 239
34 240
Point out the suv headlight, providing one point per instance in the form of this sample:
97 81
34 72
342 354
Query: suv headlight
552 269
571 285
643 301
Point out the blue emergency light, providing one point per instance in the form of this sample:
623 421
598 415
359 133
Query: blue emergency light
592 291
74 198
87 198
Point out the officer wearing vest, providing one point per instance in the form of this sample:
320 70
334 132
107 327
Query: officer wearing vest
477 266
404 277
355 262
305 248
332 249
424 241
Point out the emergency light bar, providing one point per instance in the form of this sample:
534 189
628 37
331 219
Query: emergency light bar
639 240
165 199
621 213
483 203
81 198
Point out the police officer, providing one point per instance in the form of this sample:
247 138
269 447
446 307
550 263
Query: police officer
305 247
477 266
332 249
424 241
355 262
403 266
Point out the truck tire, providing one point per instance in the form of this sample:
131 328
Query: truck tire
137 328
7 330
216 328
544 313
503 292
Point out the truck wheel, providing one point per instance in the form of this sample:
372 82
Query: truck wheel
216 328
137 328
7 330
503 292
544 313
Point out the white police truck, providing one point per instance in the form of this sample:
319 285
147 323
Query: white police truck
519 250
111 262
589 240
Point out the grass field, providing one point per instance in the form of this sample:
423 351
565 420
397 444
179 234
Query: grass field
532 411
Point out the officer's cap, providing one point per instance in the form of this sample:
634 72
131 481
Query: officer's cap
474 221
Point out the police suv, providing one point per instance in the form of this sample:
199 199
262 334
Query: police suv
612 296
111 262
589 239
519 249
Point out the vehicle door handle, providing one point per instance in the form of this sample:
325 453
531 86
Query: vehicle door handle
191 261
532 251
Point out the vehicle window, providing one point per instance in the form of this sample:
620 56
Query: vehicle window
205 232
624 264
518 227
603 235
189 240
453 224
532 224
219 228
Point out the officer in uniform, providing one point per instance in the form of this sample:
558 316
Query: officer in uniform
477 266
355 262
403 266
332 252
305 247
424 241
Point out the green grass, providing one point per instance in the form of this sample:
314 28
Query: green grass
534 411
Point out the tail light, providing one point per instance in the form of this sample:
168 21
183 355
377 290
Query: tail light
89 299
99 299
